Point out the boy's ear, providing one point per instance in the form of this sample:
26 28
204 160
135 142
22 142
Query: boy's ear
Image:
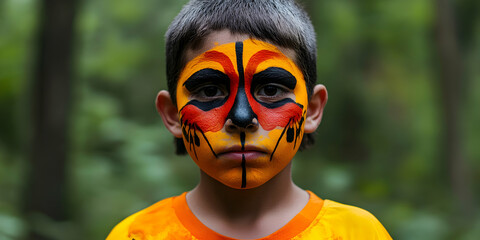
169 113
315 108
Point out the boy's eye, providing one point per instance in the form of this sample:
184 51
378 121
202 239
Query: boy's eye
269 90
271 93
208 93
211 91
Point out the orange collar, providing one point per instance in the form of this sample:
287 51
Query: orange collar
294 227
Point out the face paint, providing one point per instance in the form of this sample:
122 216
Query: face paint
242 108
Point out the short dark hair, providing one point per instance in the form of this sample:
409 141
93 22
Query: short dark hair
281 22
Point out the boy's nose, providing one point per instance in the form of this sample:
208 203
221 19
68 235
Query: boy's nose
231 127
241 116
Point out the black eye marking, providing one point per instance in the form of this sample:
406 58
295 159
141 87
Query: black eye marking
273 75
203 77
293 132
206 75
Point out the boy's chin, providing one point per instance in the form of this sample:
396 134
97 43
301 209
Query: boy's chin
237 185
254 178
250 185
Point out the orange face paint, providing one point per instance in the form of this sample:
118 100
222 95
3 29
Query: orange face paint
242 108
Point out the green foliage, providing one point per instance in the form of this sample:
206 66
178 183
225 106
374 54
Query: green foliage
379 145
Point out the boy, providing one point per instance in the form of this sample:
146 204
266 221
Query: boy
242 100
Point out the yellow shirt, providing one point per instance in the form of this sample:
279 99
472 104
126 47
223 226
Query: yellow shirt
319 220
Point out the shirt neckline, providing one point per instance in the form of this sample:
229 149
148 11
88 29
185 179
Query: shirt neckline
294 227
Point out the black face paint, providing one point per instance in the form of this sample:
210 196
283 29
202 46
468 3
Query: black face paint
244 169
293 132
241 113
190 135
274 75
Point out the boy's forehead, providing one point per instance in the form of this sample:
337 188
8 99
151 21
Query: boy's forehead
217 38
212 40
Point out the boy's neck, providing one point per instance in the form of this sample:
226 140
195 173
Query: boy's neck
224 209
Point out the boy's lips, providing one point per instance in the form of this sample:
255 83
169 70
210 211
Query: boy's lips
236 153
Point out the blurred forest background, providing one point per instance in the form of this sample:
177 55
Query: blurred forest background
82 146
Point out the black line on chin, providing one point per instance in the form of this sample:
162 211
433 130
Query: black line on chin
244 169
244 172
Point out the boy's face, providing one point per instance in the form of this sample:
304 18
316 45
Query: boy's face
242 106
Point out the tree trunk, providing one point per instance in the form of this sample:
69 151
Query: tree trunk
451 75
46 180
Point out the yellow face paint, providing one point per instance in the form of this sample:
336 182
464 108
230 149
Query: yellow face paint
242 108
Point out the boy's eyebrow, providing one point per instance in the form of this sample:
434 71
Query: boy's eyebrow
275 75
206 75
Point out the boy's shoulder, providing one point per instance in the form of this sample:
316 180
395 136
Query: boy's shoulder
341 221
158 219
